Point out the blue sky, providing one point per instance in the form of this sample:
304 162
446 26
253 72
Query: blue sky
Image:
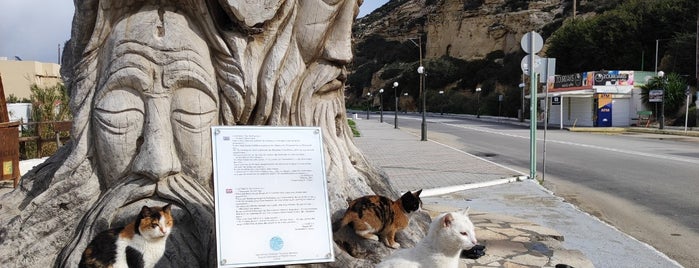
369 6
33 29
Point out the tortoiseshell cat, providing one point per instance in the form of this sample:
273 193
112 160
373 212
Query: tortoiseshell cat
374 214
139 244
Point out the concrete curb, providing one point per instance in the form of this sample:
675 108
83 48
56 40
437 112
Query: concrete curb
457 188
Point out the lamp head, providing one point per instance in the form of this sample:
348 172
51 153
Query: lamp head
478 89
381 90
421 70
395 84
661 74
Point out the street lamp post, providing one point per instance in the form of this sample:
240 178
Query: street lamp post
368 104
395 112
381 105
405 109
421 71
478 102
661 74
441 106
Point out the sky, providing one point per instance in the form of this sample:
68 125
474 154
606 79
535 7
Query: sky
33 29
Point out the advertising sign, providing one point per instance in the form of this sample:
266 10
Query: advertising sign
604 110
271 196
613 78
568 80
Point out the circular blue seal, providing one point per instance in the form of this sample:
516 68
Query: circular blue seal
276 243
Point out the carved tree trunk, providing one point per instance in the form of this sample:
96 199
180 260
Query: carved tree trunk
271 63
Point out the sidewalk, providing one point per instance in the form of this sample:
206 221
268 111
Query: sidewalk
521 223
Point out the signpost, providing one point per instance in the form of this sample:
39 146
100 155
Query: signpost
532 43
271 196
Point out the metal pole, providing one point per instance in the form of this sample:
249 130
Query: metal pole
381 106
686 110
662 104
533 111
561 112
656 56
423 91
424 107
368 104
521 116
546 124
478 104
395 114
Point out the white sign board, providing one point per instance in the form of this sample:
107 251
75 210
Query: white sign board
655 95
271 196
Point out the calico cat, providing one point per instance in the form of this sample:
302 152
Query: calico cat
449 234
139 244
374 214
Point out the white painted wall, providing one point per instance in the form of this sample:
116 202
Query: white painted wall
621 112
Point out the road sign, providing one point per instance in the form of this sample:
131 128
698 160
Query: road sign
527 42
525 64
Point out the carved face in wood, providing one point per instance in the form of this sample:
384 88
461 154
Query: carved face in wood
156 99
324 28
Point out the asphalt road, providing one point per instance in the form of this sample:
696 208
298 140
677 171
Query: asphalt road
647 185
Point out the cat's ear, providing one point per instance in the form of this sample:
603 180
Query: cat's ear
145 211
418 192
167 208
465 211
447 220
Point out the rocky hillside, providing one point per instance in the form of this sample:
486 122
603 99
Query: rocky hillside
461 30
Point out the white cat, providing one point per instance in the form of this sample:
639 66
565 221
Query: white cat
449 234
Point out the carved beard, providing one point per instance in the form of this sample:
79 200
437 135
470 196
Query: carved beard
195 220
322 82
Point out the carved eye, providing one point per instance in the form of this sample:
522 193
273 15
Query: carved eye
193 109
119 110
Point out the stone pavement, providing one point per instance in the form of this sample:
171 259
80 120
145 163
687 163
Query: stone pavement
521 223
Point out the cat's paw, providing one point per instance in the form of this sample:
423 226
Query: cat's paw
394 245
372 237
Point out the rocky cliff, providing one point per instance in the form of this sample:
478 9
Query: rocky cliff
464 29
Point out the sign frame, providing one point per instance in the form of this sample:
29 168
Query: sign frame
271 196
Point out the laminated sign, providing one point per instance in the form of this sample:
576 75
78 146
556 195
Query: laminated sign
271 196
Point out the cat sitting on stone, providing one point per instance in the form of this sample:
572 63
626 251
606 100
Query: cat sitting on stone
449 234
139 244
375 214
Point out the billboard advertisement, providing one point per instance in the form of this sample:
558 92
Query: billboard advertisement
613 78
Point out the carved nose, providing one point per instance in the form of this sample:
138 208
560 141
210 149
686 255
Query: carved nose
157 156
338 46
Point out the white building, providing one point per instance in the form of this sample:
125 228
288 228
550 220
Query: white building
597 99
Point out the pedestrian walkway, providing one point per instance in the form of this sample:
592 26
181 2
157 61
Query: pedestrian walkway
520 223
